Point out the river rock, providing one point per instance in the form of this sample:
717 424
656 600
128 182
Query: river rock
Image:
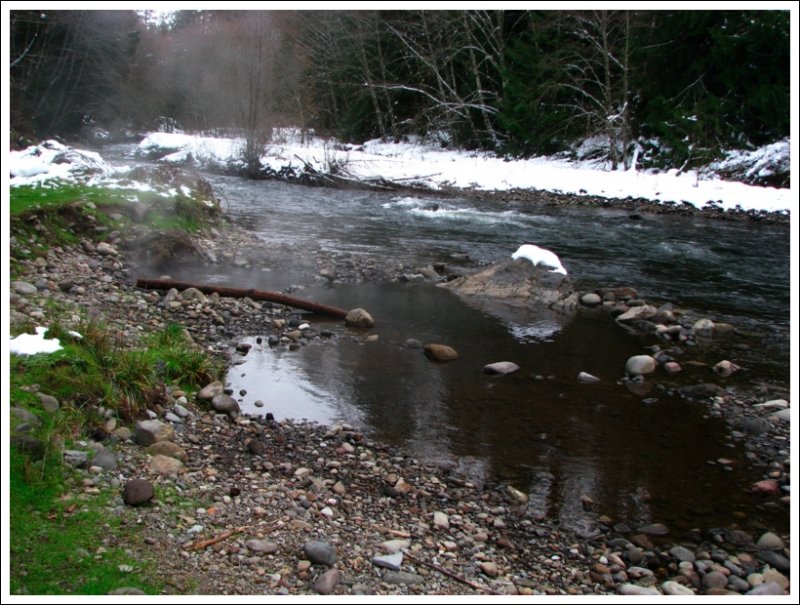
150 431
106 249
636 590
49 403
412 343
402 577
25 416
703 327
208 392
715 579
393 561
675 589
725 368
393 546
586 378
327 582
637 314
654 529
359 318
24 288
766 589
682 553
766 486
776 559
320 553
518 496
640 364
225 404
137 492
500 367
76 458
519 283
439 352
672 368
193 295
168 448
591 299
769 541
165 466
105 459
440 520
262 547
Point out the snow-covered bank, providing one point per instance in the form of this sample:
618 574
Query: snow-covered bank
427 165
51 160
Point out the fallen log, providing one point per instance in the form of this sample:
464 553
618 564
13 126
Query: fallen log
276 297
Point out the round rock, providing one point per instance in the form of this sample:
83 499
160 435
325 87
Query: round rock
439 352
769 541
226 404
500 367
210 391
320 553
327 582
640 364
137 492
591 299
359 318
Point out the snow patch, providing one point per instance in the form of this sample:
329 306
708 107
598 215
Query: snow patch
31 344
52 160
540 256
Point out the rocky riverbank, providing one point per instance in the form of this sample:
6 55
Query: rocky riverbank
249 506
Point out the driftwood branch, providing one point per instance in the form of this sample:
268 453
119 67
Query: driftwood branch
201 544
276 297
451 574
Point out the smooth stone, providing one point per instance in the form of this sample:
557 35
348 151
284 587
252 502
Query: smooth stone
180 411
327 582
320 553
76 458
412 343
263 547
489 568
640 364
359 318
168 448
165 466
440 352
703 327
777 577
518 496
49 403
393 546
586 378
682 553
226 404
393 561
440 520
127 590
768 588
500 367
637 313
208 392
654 529
725 368
591 299
105 459
25 416
769 541
776 560
766 487
24 288
636 590
676 589
715 579
137 492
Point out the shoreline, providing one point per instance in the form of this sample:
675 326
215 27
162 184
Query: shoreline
291 483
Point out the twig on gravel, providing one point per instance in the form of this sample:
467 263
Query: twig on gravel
452 574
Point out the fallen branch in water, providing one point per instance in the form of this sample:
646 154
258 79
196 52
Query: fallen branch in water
276 297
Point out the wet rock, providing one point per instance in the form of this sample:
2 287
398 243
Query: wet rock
327 582
672 368
637 314
586 378
402 577
500 367
150 431
715 579
640 364
703 327
320 553
725 368
168 448
137 492
676 589
439 352
412 343
766 487
165 466
208 392
49 403
243 347
225 404
516 495
261 547
591 299
359 318
769 541
393 561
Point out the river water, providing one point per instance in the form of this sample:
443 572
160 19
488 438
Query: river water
639 456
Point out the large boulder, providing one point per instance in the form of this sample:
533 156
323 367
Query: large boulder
519 283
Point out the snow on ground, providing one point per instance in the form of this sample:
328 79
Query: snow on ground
540 256
31 344
52 160
427 165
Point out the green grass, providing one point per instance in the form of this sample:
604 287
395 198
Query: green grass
100 369
55 541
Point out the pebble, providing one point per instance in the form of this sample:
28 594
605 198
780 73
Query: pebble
500 368
766 589
402 577
440 520
263 547
327 582
320 553
391 561
675 589
586 378
440 352
636 590
769 541
137 492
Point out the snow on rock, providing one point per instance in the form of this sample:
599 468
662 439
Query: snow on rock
766 165
53 160
540 256
30 344
179 148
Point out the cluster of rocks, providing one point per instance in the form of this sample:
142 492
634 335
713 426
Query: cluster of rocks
235 505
